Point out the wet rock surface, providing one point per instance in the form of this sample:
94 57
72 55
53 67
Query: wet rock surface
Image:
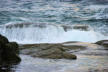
8 52
91 57
52 51
63 50
85 53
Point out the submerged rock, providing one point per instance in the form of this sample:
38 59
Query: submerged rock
81 27
8 52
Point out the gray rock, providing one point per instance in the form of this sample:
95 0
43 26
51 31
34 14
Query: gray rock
52 51
62 50
69 56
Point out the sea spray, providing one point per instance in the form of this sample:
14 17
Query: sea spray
49 33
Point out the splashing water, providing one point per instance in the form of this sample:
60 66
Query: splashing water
56 12
48 33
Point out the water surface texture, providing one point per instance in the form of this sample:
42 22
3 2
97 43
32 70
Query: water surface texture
56 12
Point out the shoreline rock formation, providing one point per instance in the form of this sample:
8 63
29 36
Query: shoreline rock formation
8 52
66 50
51 51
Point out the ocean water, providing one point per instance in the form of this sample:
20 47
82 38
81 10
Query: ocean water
42 21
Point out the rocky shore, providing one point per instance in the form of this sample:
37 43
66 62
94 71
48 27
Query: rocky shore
9 51
94 54
66 50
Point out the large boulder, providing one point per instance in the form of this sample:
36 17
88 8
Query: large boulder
3 40
14 46
8 52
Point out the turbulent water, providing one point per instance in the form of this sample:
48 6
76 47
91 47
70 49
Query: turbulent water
51 14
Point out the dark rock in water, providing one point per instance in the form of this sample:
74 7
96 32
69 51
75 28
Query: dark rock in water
8 52
0 54
66 27
28 24
3 40
76 27
14 46
81 27
103 43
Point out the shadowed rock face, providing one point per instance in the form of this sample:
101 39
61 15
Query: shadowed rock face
8 52
0 54
3 40
103 43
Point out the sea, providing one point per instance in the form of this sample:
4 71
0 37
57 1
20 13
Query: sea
42 21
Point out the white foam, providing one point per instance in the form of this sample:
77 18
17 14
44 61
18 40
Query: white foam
49 34
84 36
